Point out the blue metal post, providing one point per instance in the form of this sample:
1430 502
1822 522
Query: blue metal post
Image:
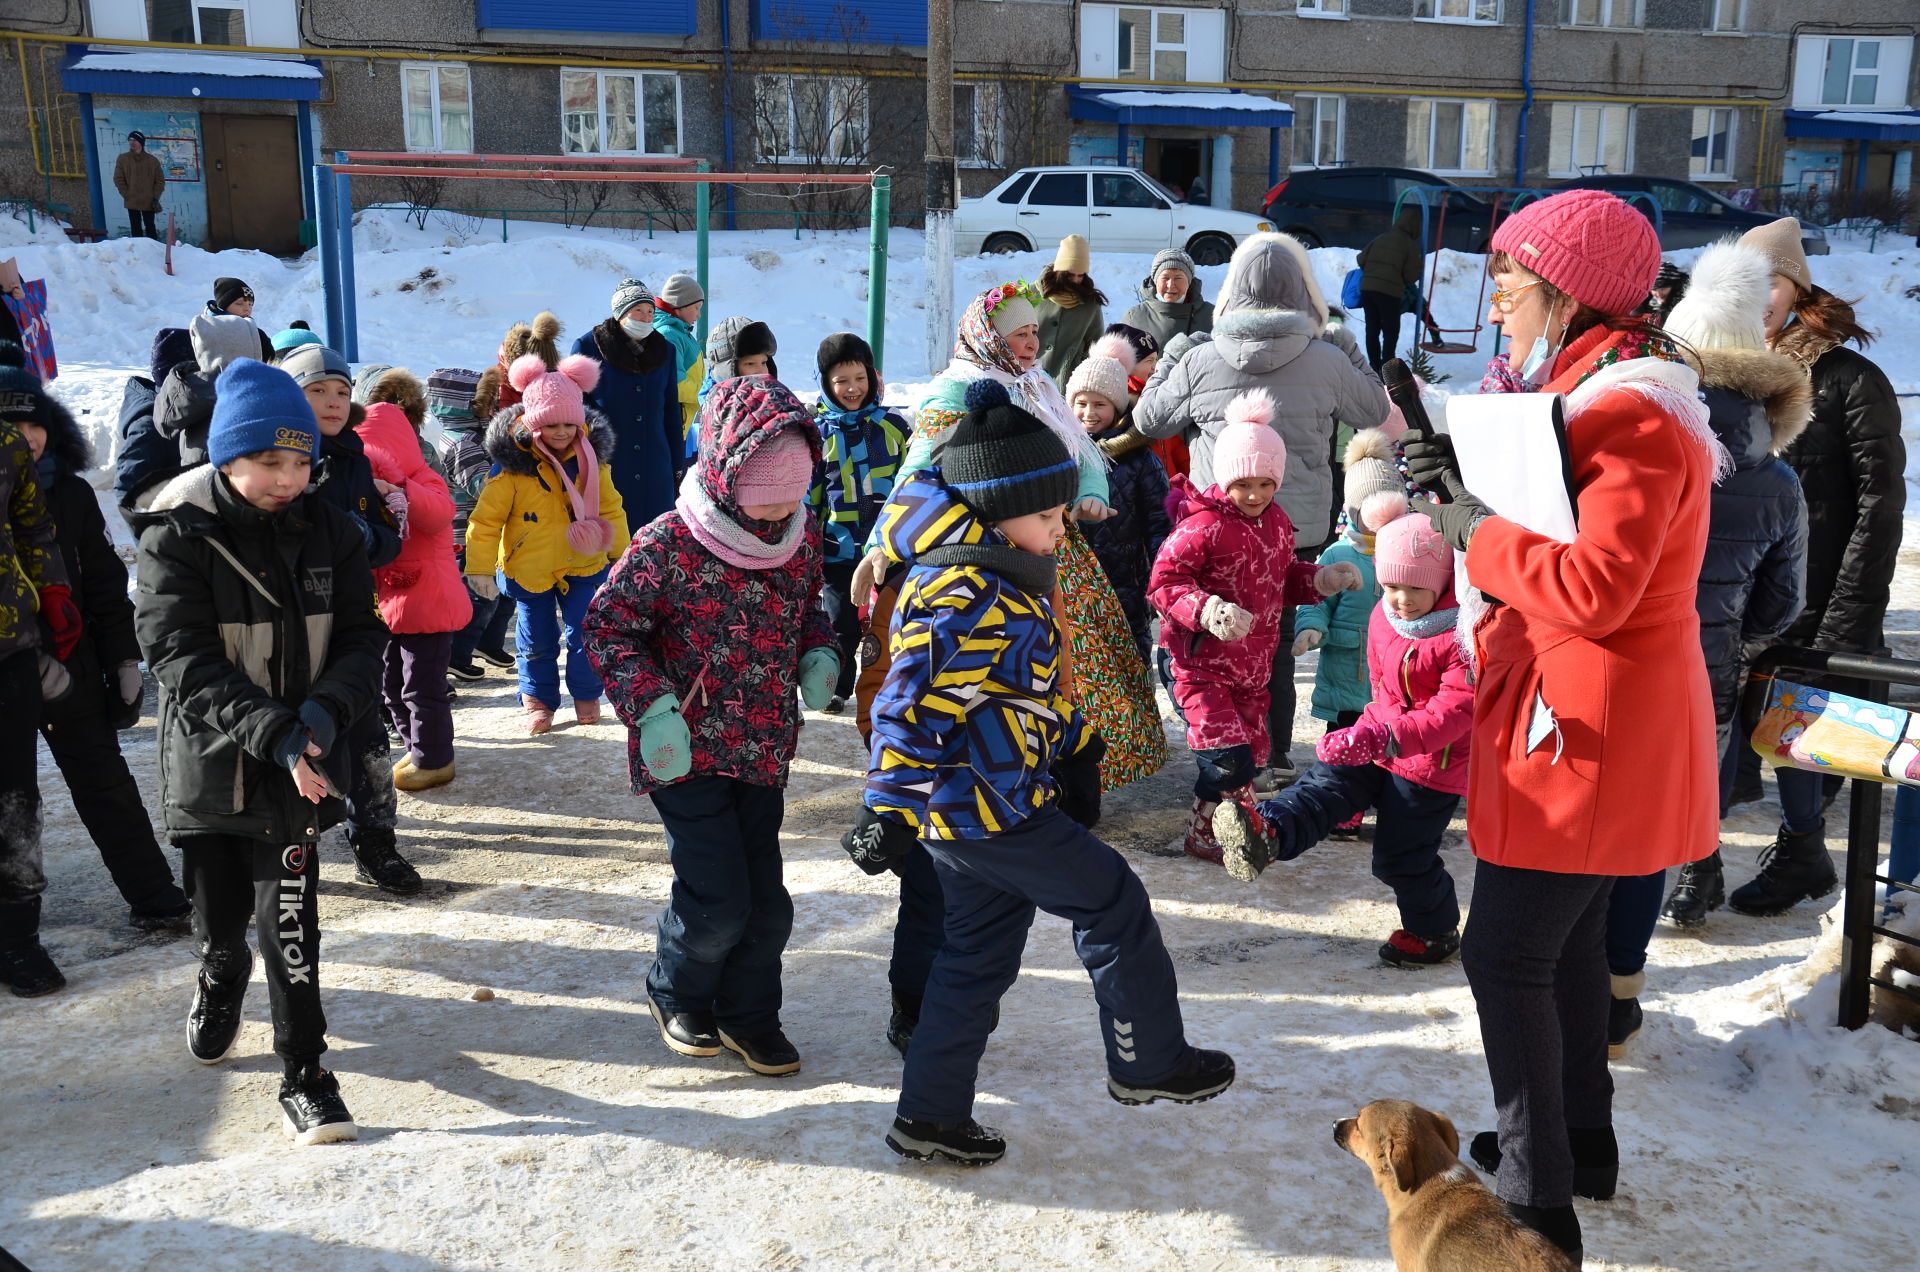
95 200
305 127
323 199
349 303
1273 157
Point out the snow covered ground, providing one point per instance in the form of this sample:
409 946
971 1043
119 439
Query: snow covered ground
548 1128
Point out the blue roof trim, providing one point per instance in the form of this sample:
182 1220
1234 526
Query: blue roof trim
1087 104
245 88
1900 126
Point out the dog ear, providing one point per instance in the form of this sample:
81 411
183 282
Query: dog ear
1447 1133
1397 1153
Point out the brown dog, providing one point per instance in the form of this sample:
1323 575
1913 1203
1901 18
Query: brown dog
1440 1217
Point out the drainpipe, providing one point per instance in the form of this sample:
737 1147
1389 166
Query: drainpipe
726 98
1526 101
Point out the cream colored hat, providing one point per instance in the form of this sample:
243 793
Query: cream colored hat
1074 256
1780 241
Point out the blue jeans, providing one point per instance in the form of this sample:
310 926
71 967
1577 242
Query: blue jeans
1802 795
546 617
726 926
487 629
993 887
1903 846
1633 911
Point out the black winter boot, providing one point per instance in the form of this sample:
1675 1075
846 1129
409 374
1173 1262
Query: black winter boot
378 862
1204 1075
1557 1224
1700 890
1623 1013
1596 1159
25 965
221 990
1794 868
968 1142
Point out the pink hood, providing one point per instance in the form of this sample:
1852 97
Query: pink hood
421 590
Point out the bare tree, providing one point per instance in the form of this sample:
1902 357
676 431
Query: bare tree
422 196
578 201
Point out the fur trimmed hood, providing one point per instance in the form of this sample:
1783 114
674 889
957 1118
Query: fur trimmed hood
507 446
625 354
65 442
1778 383
1261 340
1271 271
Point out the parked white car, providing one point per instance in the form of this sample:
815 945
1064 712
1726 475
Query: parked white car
1117 209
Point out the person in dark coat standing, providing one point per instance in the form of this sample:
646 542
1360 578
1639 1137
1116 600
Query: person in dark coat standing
1388 266
140 180
1851 462
104 669
639 393
1170 301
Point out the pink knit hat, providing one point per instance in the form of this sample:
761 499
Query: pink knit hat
553 397
1248 446
779 471
1588 243
1407 550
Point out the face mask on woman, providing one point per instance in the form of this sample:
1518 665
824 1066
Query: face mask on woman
635 328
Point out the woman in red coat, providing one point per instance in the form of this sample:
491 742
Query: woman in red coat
1593 736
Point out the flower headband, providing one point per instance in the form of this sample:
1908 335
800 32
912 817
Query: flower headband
1019 289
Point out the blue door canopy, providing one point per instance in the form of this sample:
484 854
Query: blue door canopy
172 73
1854 125
1134 107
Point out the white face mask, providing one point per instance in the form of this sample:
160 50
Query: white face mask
638 330
1541 356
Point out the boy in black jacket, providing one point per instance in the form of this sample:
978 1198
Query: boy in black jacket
103 668
255 609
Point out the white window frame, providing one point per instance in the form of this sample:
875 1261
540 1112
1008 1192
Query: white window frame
1196 46
246 18
1729 17
987 127
792 152
1310 107
1729 148
1425 158
1323 9
1635 12
436 70
1893 62
1581 116
639 78
1460 12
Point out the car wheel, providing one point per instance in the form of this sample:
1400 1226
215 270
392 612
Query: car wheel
1003 245
1306 236
1210 249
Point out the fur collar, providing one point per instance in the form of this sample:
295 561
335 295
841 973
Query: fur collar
505 447
1777 382
191 489
625 354
1249 325
1670 387
65 442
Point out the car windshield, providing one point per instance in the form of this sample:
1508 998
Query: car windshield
1674 197
1158 189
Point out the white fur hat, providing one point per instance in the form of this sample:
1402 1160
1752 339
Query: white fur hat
1726 302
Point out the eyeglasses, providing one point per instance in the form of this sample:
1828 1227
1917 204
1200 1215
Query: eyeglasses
1503 297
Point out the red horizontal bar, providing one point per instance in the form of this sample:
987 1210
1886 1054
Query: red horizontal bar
404 156
495 174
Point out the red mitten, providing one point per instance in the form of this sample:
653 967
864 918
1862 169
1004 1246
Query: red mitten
63 618
1364 743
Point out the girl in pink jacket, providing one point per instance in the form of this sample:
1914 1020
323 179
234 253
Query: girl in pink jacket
1221 583
1405 757
422 597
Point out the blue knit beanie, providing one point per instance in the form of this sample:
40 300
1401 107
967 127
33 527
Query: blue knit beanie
293 338
257 408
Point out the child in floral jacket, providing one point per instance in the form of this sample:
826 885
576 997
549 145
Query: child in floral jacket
701 634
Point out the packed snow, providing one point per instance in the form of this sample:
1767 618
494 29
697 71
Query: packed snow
548 1128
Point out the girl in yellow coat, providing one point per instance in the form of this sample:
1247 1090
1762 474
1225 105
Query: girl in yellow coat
547 527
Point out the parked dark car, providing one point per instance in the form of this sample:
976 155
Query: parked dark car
1349 207
1691 215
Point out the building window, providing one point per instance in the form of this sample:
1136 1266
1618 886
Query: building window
197 21
1322 8
1843 71
810 118
437 101
1729 15
1589 140
1319 124
1450 137
1601 13
1457 10
619 112
1711 158
976 125
1167 45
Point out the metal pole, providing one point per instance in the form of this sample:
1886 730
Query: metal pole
96 199
702 213
877 269
1857 905
349 304
942 180
323 197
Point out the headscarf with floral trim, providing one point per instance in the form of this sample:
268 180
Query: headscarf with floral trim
979 342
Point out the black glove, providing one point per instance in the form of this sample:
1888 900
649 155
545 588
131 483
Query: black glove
1078 778
315 726
1430 461
121 714
1455 522
876 843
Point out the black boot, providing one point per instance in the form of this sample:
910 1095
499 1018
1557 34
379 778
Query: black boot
313 1112
1700 890
25 965
1596 1159
221 990
1557 1224
1794 868
967 1143
378 862
1624 1016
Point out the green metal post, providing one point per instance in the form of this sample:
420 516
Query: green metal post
701 206
503 225
877 268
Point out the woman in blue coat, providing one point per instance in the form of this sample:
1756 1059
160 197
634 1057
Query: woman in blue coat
638 392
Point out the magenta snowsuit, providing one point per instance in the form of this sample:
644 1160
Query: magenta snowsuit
1423 693
1217 550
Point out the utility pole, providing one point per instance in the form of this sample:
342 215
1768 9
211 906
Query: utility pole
942 181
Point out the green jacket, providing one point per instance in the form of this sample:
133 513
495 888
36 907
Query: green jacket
1390 264
1341 683
1066 335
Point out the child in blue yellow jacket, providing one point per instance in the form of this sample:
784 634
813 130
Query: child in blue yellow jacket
976 748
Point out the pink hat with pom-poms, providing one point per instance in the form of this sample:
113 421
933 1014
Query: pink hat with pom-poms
1249 447
553 397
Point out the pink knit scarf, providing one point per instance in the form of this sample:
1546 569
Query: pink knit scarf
590 532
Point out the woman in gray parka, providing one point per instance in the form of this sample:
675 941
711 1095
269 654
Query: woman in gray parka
1270 332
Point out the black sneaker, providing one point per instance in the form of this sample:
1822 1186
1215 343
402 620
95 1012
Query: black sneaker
835 705
314 1111
1700 890
967 1143
378 862
691 1033
1793 868
171 918
1404 949
769 1053
1204 1075
213 1023
29 970
468 670
494 657
1596 1160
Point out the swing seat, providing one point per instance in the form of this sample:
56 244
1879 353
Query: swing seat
1447 346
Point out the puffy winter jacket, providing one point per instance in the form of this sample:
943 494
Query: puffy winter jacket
1753 580
29 555
420 590
1066 334
639 396
1852 463
724 641
95 571
1127 542
1163 320
344 478
972 718
1390 263
690 364
860 457
520 523
244 615
1423 693
1340 683
183 409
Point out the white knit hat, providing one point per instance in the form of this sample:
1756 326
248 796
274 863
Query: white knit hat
1726 302
1104 371
1369 468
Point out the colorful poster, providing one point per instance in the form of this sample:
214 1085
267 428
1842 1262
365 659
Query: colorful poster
173 137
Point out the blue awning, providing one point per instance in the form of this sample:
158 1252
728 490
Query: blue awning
1133 107
1854 125
220 76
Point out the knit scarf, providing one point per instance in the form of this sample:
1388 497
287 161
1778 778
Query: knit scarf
589 532
1032 573
1064 299
721 534
1432 623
